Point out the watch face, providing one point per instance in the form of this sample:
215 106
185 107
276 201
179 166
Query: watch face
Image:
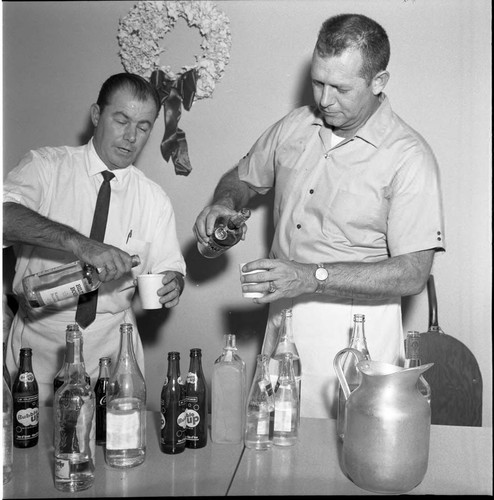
321 273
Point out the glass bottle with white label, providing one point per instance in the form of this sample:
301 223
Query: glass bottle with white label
63 282
126 408
259 423
74 421
286 419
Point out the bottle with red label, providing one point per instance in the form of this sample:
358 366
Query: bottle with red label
25 396
196 403
100 391
173 414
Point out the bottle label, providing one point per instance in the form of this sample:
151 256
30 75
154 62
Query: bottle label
62 468
26 377
192 418
283 416
62 292
27 417
263 427
182 420
122 431
191 378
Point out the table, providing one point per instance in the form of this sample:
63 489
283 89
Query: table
460 462
206 471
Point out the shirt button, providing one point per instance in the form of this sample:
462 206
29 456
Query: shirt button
311 191
298 226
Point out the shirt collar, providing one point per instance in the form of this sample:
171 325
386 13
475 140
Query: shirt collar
374 129
96 165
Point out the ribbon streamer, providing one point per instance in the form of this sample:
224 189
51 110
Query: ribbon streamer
173 95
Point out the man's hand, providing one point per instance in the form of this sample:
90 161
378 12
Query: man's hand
173 285
281 279
204 225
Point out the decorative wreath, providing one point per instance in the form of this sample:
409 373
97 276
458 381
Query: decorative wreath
141 30
139 36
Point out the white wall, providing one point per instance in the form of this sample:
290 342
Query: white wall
56 55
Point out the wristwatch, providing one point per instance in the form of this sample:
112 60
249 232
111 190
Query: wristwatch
321 275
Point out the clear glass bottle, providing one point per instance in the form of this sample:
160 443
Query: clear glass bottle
74 422
100 392
196 403
286 343
352 375
8 430
227 233
228 395
25 396
63 282
60 376
286 417
412 353
173 408
126 408
259 425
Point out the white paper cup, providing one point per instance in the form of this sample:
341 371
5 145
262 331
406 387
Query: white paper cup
148 285
251 295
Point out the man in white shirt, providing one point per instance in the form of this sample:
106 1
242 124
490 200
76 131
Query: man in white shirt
49 202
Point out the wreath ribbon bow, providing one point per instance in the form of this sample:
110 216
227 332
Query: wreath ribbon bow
173 95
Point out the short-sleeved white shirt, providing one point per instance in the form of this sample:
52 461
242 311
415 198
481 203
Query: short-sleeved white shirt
62 183
368 198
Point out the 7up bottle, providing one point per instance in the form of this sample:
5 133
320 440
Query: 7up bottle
196 403
173 414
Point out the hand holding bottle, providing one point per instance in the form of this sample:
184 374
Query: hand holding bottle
218 228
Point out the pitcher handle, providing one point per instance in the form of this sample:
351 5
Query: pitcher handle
339 370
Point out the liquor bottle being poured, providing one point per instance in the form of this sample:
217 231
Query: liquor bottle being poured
227 233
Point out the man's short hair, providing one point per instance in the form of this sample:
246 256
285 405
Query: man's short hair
138 86
355 31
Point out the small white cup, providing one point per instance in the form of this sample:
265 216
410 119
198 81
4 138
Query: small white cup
148 285
251 295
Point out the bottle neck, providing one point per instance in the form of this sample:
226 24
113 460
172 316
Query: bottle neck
104 369
235 221
195 363
74 358
412 349
286 331
173 368
126 354
25 363
358 340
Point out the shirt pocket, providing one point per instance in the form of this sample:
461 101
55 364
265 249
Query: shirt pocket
360 218
134 246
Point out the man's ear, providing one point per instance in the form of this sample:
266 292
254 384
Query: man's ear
95 114
379 82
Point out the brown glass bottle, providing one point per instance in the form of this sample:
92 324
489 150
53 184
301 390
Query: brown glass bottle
173 412
100 392
196 403
25 396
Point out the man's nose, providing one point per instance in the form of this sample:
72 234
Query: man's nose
130 133
327 97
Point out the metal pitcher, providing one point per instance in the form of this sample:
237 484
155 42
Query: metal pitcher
387 426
